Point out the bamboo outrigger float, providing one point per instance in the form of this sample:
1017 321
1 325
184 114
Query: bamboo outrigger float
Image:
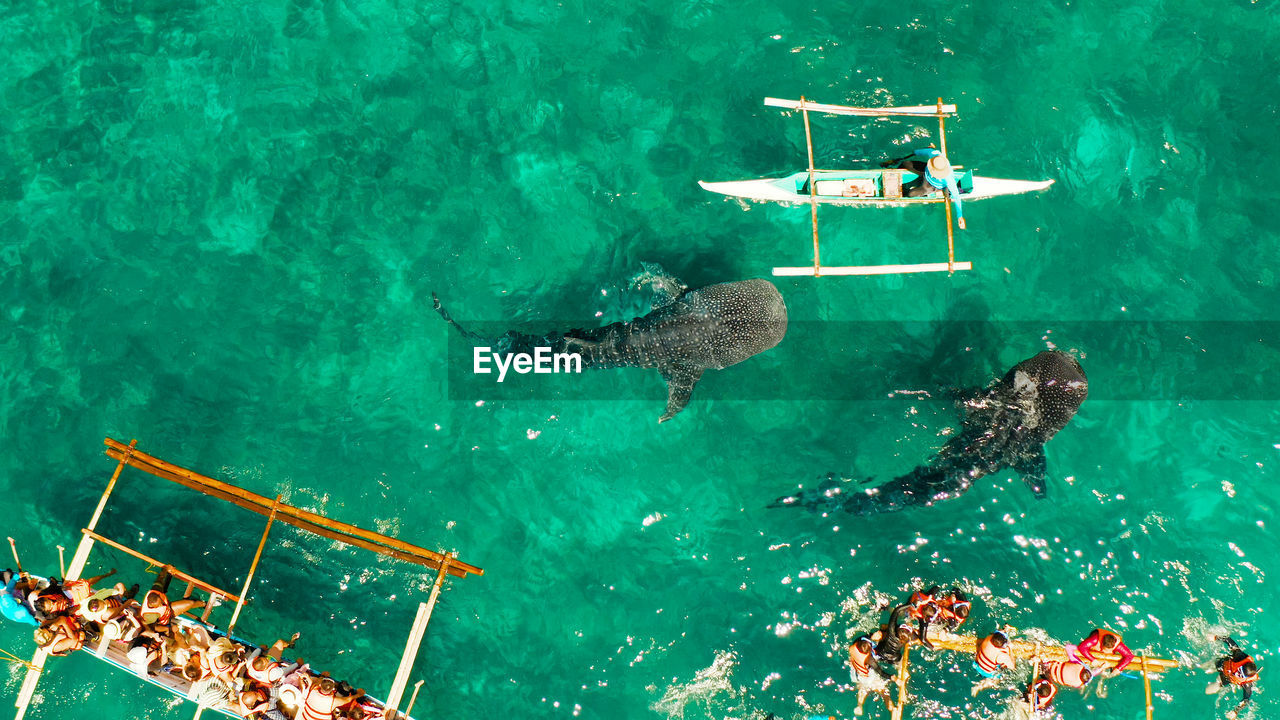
445 564
1024 650
867 188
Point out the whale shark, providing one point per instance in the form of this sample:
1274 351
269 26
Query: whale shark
1005 425
687 333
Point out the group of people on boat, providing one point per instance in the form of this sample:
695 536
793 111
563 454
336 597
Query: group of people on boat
253 682
909 623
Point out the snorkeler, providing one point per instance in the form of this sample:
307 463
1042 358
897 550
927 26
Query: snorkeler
953 608
1108 642
1237 669
924 608
990 657
894 636
1040 694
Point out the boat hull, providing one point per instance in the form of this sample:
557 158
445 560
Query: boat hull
873 188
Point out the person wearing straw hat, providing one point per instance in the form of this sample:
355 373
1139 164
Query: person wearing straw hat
934 173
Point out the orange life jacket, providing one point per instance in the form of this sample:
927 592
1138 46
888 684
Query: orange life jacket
1038 702
317 704
156 609
61 603
1067 674
1102 635
947 610
860 661
919 601
991 658
109 607
1233 669
247 710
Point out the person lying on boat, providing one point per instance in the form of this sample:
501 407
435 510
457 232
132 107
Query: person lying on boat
953 609
269 669
61 635
12 606
157 610
934 173
1236 669
60 598
1106 641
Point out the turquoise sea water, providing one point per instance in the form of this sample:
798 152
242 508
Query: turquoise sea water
220 224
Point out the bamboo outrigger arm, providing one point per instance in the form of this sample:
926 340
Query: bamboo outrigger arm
309 521
1027 650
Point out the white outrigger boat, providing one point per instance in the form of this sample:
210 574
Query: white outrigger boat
114 652
867 187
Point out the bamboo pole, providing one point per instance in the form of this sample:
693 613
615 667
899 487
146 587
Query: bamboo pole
412 699
287 513
253 567
871 269
14 547
1026 650
1146 683
1035 675
392 705
904 674
211 589
951 240
813 191
62 560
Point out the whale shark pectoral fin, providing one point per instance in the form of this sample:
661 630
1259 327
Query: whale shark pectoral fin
680 381
1034 471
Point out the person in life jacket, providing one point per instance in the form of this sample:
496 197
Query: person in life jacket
924 609
1237 669
269 669
254 700
124 624
146 654
895 636
1104 641
1040 694
60 636
934 174
157 610
1070 674
320 696
953 609
863 658
11 601
992 655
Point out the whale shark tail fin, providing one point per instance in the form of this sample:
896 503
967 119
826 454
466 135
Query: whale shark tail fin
680 382
923 486
435 304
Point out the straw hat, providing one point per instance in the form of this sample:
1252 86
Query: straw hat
940 167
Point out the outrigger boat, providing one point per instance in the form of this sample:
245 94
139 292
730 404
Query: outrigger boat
1023 650
867 188
114 652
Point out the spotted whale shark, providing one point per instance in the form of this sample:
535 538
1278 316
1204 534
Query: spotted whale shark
1005 425
687 333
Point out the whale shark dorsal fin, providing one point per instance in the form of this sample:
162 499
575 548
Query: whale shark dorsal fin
680 381
666 288
1034 471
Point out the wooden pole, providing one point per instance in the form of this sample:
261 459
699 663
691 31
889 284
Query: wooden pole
244 591
412 699
1035 675
286 513
813 191
14 547
62 560
1146 682
392 705
904 674
951 241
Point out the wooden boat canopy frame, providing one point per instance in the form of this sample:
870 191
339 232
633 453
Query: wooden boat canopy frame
309 521
942 112
444 564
